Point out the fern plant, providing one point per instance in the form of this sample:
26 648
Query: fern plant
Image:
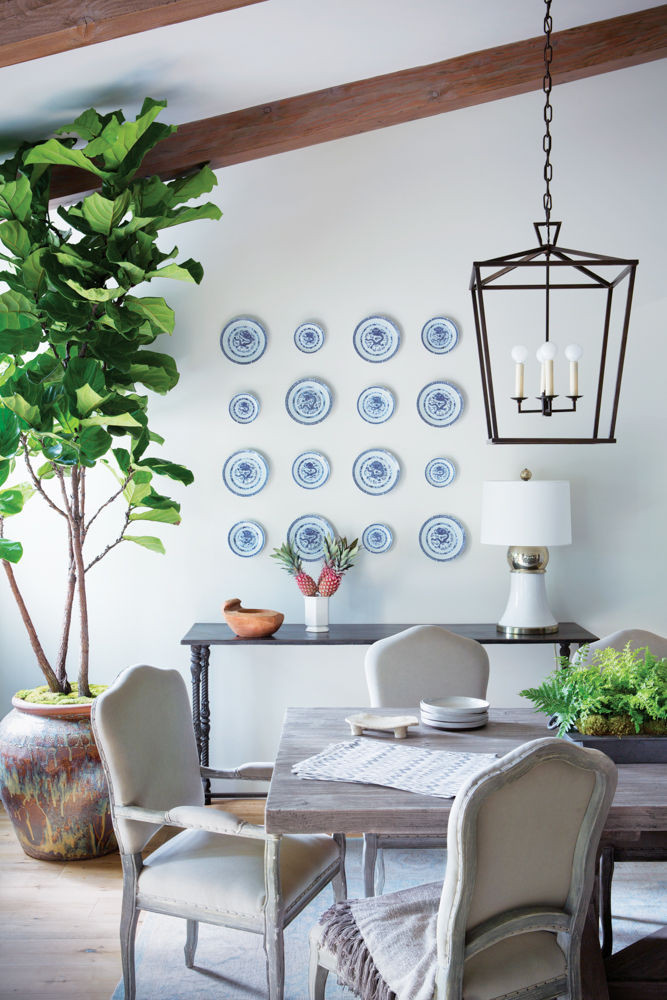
612 691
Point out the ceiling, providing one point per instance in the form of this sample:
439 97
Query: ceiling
266 51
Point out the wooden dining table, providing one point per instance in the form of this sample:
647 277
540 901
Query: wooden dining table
295 805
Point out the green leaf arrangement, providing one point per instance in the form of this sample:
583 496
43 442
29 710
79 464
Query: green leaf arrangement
76 336
616 692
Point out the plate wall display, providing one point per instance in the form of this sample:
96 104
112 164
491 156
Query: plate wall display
376 404
442 537
376 339
243 340
376 471
243 407
440 472
246 538
245 473
310 470
440 404
306 536
377 538
309 337
440 335
308 401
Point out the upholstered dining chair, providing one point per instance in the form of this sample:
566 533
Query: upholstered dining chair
509 918
648 846
420 662
218 869
637 637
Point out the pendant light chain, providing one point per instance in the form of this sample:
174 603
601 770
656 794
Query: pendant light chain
548 115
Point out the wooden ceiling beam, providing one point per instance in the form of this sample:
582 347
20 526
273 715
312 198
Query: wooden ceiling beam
394 98
30 30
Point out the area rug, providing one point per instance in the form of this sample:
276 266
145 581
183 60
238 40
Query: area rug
230 965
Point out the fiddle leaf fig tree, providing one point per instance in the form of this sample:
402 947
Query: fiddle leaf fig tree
75 348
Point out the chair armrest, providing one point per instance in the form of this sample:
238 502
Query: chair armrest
522 920
261 770
141 815
213 820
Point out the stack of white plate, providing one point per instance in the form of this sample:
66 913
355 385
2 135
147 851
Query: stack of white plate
455 712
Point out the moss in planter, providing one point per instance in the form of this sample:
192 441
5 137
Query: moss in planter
606 725
43 696
655 727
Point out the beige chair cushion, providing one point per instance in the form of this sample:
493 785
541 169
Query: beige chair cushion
225 875
497 972
512 965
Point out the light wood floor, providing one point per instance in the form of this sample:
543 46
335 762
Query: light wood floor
59 932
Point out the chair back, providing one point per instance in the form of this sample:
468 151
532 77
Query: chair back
637 637
425 661
143 729
522 842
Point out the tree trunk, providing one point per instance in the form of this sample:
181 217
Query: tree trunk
51 679
77 546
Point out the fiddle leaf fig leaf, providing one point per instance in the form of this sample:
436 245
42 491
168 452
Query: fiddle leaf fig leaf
189 270
10 432
15 238
54 151
146 542
156 371
11 551
20 329
94 294
155 310
192 186
94 442
167 515
170 469
11 502
98 213
16 199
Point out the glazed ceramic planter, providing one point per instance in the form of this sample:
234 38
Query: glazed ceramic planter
316 614
52 783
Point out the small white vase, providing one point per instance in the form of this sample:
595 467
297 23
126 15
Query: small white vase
316 614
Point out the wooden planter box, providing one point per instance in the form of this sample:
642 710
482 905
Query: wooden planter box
625 749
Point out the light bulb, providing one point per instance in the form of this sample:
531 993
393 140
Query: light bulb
539 354
549 350
573 352
520 354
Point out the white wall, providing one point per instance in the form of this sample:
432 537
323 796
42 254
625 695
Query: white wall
389 223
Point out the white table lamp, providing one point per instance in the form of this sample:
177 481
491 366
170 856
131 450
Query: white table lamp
527 516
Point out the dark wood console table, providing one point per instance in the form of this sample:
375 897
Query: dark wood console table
202 636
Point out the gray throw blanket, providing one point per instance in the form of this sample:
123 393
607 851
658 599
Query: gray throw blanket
386 945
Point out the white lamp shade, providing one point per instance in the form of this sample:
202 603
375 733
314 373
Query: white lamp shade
535 513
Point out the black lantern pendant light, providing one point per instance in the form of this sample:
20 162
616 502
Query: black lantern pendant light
547 294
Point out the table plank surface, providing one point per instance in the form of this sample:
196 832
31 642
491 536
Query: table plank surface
359 634
297 805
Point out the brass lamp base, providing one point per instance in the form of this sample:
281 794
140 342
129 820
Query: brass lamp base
518 630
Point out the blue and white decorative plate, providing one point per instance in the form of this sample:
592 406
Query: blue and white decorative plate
308 401
310 470
442 537
245 473
376 339
243 340
306 536
440 404
246 538
243 407
376 471
440 335
376 404
309 337
377 538
440 472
